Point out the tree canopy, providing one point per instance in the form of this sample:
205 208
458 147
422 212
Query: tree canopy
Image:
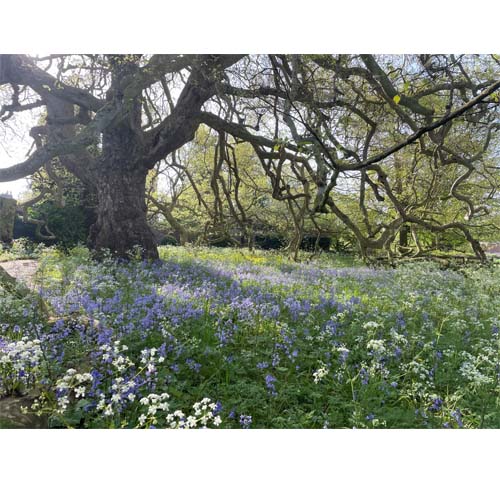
380 146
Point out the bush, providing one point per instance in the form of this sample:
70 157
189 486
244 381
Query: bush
169 240
269 241
70 224
309 243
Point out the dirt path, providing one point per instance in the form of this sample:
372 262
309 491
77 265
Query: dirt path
23 270
11 416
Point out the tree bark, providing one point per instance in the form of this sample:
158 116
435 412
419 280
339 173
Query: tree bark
120 182
7 216
403 236
121 215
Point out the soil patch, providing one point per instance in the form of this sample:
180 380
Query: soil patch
23 270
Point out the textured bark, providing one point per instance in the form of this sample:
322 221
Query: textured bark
120 179
120 183
7 217
121 216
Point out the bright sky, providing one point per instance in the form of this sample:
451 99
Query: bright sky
15 187
15 142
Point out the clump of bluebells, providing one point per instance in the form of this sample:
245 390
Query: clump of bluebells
218 338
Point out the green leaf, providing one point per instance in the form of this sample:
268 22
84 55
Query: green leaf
396 99
81 404
175 392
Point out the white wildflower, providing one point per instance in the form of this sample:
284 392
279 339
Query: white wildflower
80 392
371 325
377 346
320 374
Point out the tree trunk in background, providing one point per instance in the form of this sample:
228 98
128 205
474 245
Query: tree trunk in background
403 236
7 217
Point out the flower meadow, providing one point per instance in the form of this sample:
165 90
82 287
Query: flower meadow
222 338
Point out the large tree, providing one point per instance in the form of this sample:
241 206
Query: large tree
95 129
369 125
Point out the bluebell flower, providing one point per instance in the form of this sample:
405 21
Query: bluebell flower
218 408
270 384
457 415
437 403
365 376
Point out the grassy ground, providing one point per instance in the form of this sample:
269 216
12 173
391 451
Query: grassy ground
239 339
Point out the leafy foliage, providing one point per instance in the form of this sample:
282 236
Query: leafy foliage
271 343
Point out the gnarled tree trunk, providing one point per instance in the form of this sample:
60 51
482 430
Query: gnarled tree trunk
121 215
120 182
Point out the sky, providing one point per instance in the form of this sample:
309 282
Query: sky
15 142
16 187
